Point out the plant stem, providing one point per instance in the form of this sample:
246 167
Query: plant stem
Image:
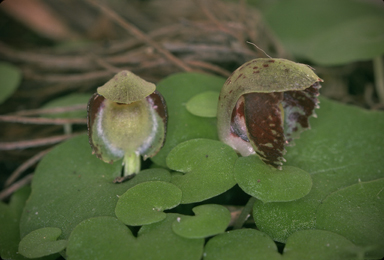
68 129
245 213
378 69
132 164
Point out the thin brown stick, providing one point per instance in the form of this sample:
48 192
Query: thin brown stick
71 80
35 143
213 19
46 111
18 185
139 34
42 120
28 163
211 67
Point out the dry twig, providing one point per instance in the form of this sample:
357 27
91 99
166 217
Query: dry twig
35 143
11 179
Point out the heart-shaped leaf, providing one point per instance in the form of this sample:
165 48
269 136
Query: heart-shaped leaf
177 90
108 238
269 184
208 167
344 145
204 104
245 244
144 203
71 185
42 242
320 244
364 205
210 219
10 79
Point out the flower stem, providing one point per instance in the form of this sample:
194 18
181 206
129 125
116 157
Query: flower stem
245 213
132 164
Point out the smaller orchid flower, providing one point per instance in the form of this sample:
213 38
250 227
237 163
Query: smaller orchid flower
256 100
127 118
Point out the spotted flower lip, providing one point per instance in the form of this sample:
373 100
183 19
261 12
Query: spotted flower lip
256 100
127 119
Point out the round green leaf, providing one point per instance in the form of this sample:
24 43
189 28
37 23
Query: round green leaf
319 244
42 242
177 90
69 100
208 167
357 213
144 203
209 220
269 184
204 104
245 244
10 79
71 185
108 238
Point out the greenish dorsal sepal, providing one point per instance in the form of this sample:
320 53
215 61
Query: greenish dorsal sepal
126 87
253 101
118 129
42 242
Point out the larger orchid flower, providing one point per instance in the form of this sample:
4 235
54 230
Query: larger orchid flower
256 100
